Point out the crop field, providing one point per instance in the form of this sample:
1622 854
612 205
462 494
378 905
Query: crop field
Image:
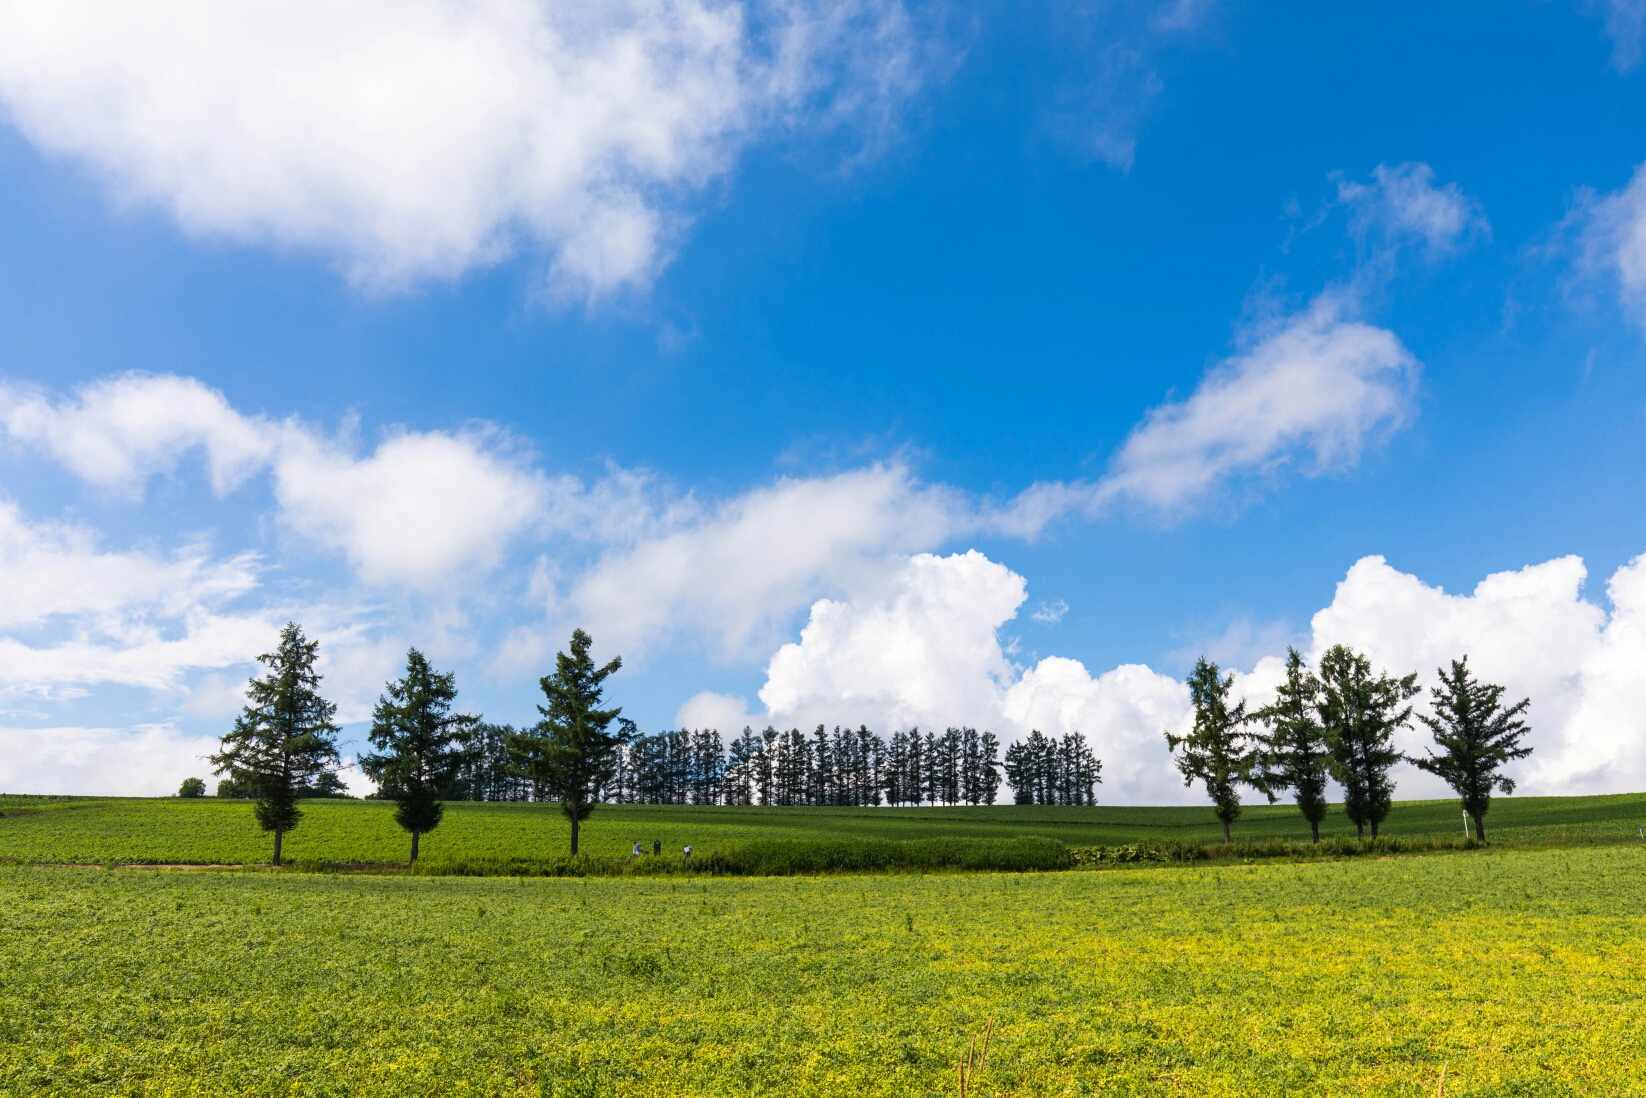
209 831
1519 972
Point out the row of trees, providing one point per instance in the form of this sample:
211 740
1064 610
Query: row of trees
1339 723
283 748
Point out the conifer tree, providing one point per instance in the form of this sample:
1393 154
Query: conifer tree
570 753
1360 714
1294 754
284 739
1477 736
422 745
1218 751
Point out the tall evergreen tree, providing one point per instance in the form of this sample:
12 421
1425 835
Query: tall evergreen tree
284 739
1294 753
571 753
1218 751
422 745
1360 714
1477 737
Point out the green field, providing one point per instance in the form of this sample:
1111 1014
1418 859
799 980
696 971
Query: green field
209 831
1520 971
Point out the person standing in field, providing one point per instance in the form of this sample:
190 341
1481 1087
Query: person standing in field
657 847
688 852
635 853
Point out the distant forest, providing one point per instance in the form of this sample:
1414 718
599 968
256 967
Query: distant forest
846 768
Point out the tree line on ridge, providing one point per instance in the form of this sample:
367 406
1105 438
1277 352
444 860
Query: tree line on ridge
1335 723
282 749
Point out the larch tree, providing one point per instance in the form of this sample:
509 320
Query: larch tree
571 753
284 740
1218 751
1477 737
1293 752
1360 713
422 746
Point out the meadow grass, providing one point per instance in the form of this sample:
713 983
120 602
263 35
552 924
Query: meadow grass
210 831
1520 971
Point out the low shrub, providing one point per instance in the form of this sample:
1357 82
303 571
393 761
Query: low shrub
1267 849
785 857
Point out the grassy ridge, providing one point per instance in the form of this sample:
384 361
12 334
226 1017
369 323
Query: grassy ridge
209 831
1520 971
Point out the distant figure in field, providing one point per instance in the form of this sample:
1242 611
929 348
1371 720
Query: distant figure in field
657 847
635 853
688 852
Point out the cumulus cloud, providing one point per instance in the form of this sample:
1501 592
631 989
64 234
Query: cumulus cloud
423 139
1531 630
119 432
425 510
734 572
1309 393
924 648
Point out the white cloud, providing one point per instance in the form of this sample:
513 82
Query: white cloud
1613 241
1625 22
1533 632
425 510
1402 204
1311 393
148 761
1050 612
711 710
920 649
425 138
118 432
1123 713
732 574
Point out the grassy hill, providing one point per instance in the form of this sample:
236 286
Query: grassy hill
209 831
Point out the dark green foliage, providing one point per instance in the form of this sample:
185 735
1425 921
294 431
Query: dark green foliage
570 754
487 773
1360 714
227 788
1218 752
422 744
1293 752
192 787
1477 736
1043 770
284 740
789 857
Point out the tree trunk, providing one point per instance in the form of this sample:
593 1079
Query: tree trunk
277 836
1315 827
574 834
1480 829
1374 831
1225 832
414 846
1360 833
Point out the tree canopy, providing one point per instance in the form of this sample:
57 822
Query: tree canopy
1293 752
570 753
421 745
1360 713
284 740
1477 736
1218 752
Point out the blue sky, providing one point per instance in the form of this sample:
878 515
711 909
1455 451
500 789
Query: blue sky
675 319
